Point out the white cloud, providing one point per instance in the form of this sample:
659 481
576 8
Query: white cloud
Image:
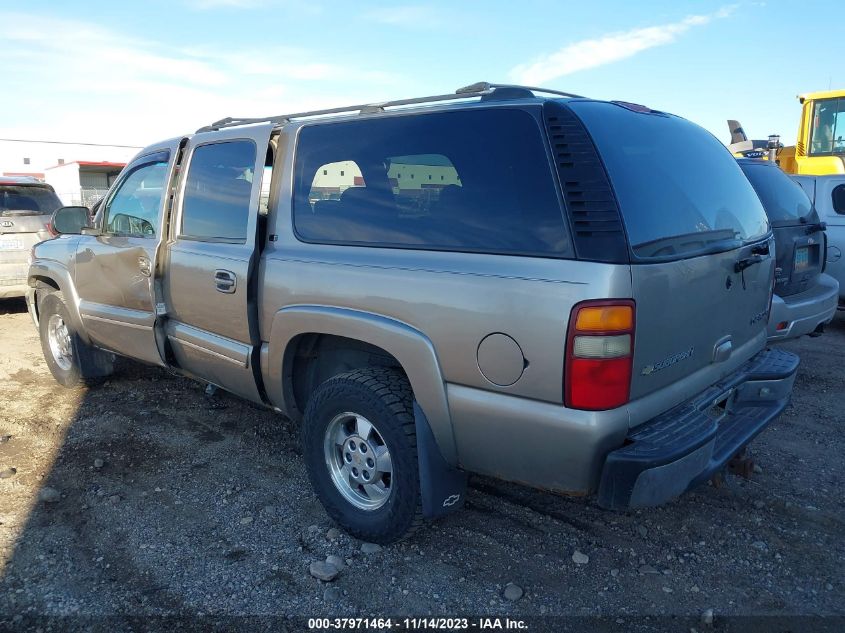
607 49
73 80
205 5
407 16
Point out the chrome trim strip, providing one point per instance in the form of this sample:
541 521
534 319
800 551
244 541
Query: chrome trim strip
136 326
205 350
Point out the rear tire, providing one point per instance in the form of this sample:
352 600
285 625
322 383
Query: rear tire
71 361
360 449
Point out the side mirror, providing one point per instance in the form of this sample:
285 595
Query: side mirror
70 220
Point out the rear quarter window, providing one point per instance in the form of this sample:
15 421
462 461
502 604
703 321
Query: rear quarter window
838 199
680 191
475 180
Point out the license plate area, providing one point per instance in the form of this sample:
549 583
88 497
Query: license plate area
7 244
802 259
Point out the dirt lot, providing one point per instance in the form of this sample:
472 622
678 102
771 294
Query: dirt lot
143 497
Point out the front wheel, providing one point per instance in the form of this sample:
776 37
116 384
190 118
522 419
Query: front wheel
359 443
71 361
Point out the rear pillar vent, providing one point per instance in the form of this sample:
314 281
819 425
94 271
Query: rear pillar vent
593 212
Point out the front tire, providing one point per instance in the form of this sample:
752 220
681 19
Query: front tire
71 361
360 449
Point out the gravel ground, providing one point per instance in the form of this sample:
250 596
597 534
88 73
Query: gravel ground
144 497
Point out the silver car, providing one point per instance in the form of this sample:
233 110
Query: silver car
517 282
805 297
26 205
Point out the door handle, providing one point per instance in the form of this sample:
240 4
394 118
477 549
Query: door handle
225 281
145 266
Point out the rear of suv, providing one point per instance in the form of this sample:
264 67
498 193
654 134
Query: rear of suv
26 205
805 297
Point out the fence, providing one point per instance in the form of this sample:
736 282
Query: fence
84 196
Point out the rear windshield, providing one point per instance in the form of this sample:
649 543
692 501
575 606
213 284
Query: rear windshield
783 198
680 191
27 199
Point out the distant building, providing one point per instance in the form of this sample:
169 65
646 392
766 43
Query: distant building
82 182
410 176
79 172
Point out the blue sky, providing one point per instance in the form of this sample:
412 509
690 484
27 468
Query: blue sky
135 72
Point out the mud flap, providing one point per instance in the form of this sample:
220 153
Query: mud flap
443 487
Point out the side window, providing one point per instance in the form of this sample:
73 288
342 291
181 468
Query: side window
133 210
839 199
828 127
218 186
474 181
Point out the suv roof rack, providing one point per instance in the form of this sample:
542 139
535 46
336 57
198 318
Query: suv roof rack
480 89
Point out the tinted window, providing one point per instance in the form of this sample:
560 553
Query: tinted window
468 181
217 191
827 135
838 196
679 189
783 198
134 208
27 200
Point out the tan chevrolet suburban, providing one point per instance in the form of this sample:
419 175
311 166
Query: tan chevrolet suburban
517 282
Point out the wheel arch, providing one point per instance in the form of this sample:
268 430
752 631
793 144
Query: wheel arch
372 334
57 276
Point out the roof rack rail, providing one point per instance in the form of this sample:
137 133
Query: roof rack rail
479 89
483 85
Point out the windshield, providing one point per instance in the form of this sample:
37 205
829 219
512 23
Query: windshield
680 191
27 200
783 198
827 135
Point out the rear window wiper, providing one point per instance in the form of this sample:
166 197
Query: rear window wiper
815 227
747 262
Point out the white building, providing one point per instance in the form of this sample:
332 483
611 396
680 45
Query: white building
82 182
79 172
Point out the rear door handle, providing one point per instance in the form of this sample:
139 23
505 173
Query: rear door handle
225 281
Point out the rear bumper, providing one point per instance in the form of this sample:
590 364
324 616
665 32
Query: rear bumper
805 311
8 291
686 445
13 268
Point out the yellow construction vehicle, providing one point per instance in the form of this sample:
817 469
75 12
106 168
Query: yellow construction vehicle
820 147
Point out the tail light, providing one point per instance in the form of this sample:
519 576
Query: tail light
599 355
772 289
823 255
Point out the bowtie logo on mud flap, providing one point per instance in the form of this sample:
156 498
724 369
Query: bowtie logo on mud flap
451 500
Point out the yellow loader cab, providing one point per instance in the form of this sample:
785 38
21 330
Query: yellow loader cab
820 148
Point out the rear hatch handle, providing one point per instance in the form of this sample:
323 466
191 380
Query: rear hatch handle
759 253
